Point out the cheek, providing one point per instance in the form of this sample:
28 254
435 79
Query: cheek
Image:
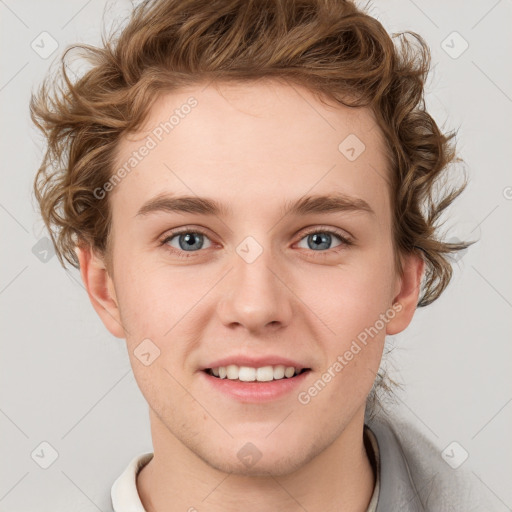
354 343
152 300
355 303
350 298
156 307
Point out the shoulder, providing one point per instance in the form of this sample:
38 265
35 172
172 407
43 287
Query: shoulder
415 476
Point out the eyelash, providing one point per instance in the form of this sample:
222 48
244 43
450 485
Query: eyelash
346 242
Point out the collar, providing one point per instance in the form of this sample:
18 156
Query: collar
124 495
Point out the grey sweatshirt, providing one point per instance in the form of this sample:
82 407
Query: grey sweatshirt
415 478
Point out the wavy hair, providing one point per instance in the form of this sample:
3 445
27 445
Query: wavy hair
333 48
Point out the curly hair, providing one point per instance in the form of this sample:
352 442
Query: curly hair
331 47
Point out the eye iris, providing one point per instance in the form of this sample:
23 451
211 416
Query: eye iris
190 241
319 239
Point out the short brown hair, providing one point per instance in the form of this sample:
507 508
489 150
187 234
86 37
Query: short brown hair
331 47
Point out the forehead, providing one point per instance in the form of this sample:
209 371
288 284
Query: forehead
242 141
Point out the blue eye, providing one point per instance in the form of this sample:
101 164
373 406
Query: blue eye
187 241
321 240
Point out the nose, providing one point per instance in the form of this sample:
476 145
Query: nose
255 295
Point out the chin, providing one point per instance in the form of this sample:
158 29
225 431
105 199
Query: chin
260 457
264 467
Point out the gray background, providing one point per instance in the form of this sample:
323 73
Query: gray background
67 382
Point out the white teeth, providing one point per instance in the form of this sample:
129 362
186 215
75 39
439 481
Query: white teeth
289 371
232 371
279 371
249 374
246 374
264 374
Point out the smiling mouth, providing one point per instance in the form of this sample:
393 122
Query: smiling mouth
253 376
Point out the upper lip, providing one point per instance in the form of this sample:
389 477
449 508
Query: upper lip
256 362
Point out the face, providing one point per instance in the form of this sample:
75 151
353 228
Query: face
256 279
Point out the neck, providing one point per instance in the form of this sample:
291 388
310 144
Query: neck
340 477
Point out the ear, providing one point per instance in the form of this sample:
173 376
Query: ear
100 288
406 293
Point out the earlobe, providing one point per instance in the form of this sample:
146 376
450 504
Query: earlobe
406 299
100 288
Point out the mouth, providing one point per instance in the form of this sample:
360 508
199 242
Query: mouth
248 374
246 384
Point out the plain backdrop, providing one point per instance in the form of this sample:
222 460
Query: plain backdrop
67 383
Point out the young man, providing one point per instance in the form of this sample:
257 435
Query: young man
248 193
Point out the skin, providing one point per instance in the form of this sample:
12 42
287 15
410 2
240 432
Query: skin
253 147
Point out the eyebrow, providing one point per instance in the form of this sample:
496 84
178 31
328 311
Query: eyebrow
331 203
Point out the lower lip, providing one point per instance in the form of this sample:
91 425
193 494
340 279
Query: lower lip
254 391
